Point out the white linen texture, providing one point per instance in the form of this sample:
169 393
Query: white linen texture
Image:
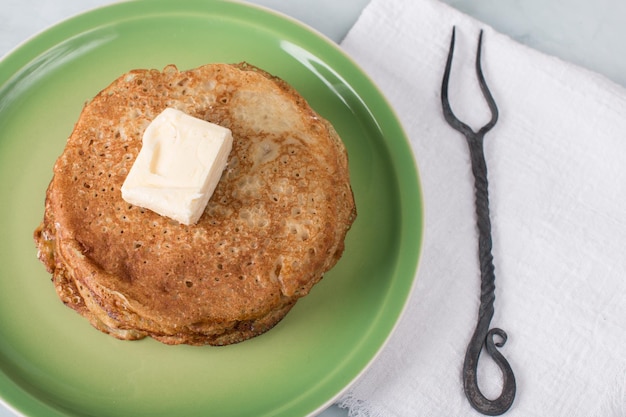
556 164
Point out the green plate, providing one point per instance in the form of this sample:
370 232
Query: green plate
53 363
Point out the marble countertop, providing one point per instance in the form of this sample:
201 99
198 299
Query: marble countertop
580 31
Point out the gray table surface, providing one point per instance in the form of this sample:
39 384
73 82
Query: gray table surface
587 33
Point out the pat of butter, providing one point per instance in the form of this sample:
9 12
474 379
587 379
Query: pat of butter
178 167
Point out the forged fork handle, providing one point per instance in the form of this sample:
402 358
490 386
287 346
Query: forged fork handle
482 334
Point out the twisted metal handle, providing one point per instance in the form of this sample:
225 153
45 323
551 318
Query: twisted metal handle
482 334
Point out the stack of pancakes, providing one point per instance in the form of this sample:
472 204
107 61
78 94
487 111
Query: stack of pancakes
274 225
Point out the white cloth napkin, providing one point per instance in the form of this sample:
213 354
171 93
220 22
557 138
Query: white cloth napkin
557 183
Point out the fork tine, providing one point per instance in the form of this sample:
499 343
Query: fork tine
486 93
445 102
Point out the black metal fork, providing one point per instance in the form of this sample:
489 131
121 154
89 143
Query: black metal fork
482 336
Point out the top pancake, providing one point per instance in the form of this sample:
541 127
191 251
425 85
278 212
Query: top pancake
275 223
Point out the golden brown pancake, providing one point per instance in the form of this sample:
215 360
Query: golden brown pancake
274 225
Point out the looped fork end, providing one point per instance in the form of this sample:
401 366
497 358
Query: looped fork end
478 401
